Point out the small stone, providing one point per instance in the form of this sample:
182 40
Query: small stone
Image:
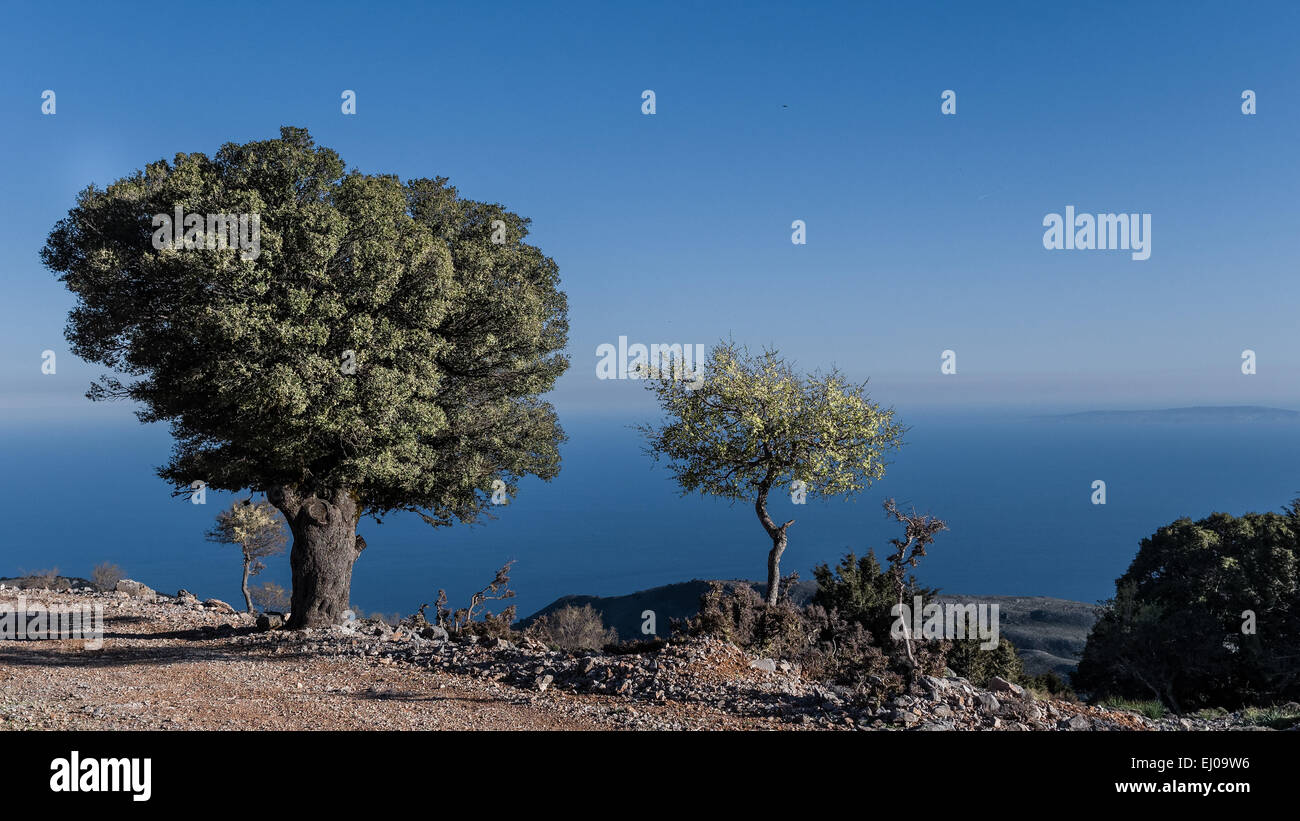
1075 722
1001 685
934 726
935 687
544 681
987 703
434 632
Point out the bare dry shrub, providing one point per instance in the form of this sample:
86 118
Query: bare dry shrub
105 576
270 596
573 628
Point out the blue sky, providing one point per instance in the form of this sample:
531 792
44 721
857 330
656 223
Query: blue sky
924 231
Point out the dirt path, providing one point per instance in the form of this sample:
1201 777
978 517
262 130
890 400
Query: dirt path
158 672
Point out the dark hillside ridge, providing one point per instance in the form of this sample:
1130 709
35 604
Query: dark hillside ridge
1048 633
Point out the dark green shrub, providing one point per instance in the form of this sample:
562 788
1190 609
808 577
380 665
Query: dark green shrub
968 659
1208 614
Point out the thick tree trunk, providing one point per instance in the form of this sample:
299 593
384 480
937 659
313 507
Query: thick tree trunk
248 600
778 543
325 545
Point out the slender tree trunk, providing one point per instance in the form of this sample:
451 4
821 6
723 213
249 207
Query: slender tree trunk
248 600
774 569
325 545
779 543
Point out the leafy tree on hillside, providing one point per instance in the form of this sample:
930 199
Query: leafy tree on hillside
752 424
258 531
1208 614
385 349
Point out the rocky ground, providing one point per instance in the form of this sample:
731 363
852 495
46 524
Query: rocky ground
173 662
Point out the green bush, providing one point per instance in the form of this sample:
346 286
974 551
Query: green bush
1177 628
1277 718
968 659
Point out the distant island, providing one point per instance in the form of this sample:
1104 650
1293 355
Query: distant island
1234 414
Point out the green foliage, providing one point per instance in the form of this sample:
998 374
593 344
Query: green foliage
968 659
861 591
1286 717
858 595
1174 630
753 423
455 337
750 423
257 528
844 634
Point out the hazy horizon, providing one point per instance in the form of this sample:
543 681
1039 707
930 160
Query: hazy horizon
924 235
924 231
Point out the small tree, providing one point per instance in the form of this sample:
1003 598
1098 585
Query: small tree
918 534
752 424
463 620
257 530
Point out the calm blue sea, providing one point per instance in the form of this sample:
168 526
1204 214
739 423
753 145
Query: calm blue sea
1015 492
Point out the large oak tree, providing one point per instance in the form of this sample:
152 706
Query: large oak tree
385 351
